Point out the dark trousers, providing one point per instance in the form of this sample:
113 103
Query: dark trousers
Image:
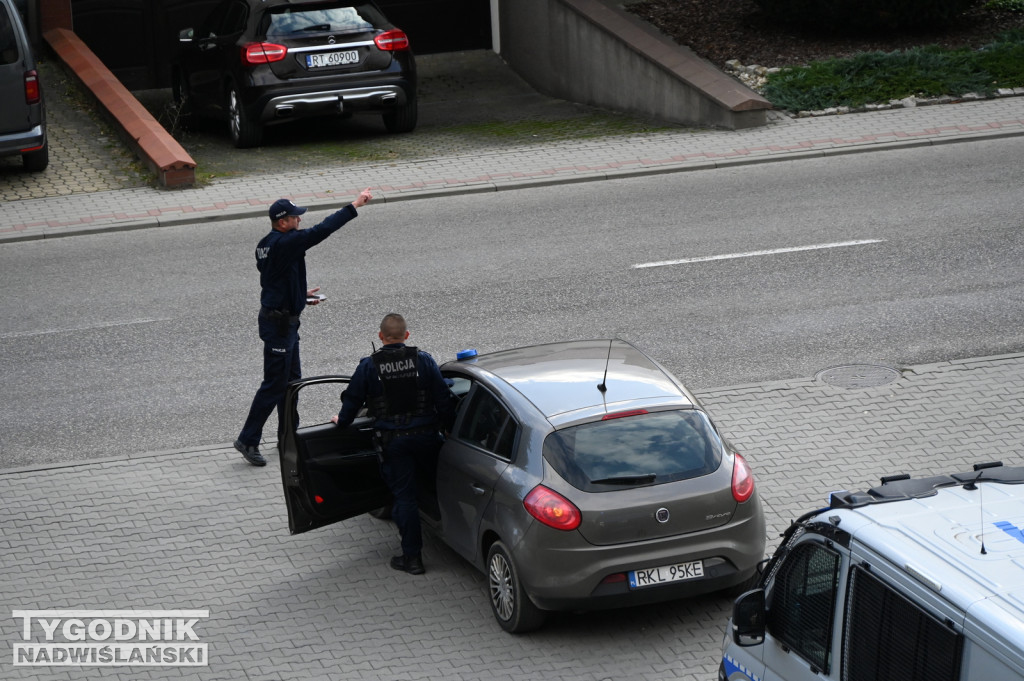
281 364
405 459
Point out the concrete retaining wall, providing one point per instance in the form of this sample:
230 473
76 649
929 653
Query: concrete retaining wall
150 141
596 53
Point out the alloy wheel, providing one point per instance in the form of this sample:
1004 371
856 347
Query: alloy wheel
502 589
235 114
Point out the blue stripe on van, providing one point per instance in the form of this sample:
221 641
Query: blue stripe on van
1011 530
732 667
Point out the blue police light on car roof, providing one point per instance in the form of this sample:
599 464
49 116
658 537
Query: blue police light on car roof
463 355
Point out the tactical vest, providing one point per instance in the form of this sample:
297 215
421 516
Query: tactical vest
401 397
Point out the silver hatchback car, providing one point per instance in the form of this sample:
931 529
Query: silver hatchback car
576 475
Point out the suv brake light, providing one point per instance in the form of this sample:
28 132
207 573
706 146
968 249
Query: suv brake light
623 414
262 53
392 41
742 479
31 87
552 509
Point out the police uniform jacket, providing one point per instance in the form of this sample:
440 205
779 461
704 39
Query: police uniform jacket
365 384
281 260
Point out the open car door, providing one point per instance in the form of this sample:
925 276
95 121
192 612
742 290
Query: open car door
329 473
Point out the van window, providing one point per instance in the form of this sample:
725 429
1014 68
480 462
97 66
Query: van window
8 40
802 603
889 638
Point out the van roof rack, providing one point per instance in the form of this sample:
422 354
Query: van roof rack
903 487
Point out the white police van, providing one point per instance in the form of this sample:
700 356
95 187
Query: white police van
913 580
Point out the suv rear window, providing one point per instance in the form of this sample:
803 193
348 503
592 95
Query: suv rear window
341 18
652 448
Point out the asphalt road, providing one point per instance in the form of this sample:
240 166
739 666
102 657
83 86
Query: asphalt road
145 341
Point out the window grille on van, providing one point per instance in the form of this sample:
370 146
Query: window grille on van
889 638
802 602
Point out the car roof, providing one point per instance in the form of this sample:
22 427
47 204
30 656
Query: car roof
562 378
960 535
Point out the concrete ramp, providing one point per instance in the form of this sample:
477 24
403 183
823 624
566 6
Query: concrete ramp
596 53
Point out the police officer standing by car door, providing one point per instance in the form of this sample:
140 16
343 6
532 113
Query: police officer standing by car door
404 391
281 261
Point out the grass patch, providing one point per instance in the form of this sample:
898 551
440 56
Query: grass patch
878 77
535 131
1005 5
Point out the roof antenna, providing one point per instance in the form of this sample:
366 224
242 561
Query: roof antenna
981 508
602 386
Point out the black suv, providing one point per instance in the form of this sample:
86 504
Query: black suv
22 115
263 62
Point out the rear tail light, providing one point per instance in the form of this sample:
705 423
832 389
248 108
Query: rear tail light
742 479
263 53
552 509
392 41
31 87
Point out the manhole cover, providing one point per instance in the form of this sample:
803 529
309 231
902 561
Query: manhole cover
858 376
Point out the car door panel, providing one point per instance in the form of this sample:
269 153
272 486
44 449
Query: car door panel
466 477
217 53
328 473
469 466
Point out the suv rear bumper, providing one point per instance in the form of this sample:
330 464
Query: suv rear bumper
15 143
379 98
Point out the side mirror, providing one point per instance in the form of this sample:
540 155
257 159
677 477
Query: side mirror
185 35
748 619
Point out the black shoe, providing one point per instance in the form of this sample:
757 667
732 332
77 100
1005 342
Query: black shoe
411 564
251 454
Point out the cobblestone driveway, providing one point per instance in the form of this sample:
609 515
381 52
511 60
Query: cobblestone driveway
204 530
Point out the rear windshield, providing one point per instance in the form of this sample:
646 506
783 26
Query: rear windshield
323 18
635 450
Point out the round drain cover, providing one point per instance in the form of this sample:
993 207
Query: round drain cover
858 376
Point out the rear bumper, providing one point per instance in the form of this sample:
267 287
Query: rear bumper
333 102
16 143
567 573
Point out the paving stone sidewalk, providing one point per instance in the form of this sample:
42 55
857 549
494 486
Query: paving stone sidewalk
203 530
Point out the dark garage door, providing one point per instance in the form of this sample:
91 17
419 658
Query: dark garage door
136 38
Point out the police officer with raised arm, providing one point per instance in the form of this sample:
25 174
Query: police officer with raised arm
281 261
404 391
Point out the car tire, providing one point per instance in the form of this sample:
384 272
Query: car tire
513 609
36 161
402 118
244 131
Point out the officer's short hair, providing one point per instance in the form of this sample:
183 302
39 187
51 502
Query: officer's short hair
393 325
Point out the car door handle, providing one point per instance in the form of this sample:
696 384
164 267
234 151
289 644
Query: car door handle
478 490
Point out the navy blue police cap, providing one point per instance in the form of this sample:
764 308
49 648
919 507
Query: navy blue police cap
283 208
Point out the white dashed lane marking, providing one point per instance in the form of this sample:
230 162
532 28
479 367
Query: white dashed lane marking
751 254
